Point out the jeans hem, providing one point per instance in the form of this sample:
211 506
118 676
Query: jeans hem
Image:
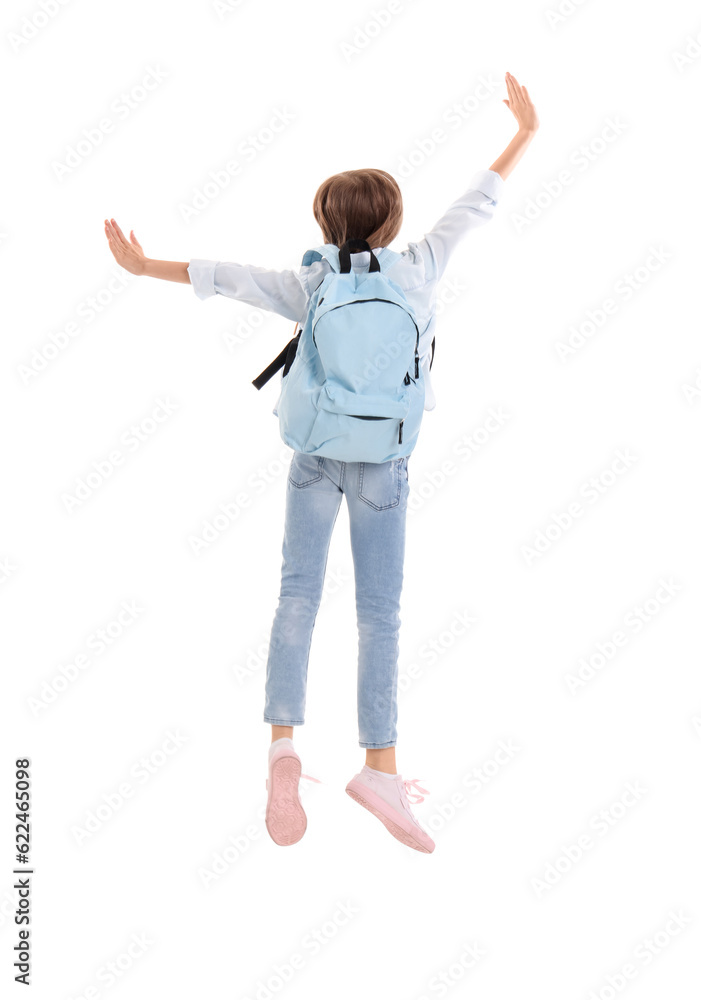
377 746
281 722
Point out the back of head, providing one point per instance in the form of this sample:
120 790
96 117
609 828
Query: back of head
359 204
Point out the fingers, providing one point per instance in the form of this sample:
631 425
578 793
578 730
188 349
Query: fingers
120 235
509 87
519 103
117 244
515 92
518 88
111 237
115 233
111 234
112 244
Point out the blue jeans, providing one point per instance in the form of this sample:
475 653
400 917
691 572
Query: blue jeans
377 495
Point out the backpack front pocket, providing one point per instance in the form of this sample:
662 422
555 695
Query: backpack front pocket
336 399
353 427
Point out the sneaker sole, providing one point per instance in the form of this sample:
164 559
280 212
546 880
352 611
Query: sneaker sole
402 835
285 818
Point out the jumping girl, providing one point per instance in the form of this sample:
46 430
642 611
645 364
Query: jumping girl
364 205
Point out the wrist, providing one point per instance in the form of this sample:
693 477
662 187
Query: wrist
527 132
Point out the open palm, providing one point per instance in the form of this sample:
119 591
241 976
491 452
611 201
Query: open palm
520 105
129 253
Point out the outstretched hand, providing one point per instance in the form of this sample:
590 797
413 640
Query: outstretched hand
520 105
129 254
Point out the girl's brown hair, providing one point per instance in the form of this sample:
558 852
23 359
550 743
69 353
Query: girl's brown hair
360 205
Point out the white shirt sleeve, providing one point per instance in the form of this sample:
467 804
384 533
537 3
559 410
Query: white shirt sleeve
475 207
277 291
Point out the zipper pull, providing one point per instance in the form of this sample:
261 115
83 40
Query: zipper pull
401 424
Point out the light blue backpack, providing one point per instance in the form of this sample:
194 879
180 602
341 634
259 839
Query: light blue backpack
352 385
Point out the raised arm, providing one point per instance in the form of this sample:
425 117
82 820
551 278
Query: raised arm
477 205
129 254
278 291
521 106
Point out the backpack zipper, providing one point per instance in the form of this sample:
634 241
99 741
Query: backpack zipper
361 416
391 302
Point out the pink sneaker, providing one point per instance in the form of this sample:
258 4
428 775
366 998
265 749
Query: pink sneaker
389 801
285 818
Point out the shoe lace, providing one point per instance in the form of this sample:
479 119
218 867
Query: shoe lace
414 796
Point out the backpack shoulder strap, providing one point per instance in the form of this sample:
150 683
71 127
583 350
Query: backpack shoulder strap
328 251
386 257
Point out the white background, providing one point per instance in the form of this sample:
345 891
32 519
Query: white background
527 280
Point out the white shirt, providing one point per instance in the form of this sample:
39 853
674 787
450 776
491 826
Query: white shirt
417 272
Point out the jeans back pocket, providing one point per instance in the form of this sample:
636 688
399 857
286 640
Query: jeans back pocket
380 484
304 469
